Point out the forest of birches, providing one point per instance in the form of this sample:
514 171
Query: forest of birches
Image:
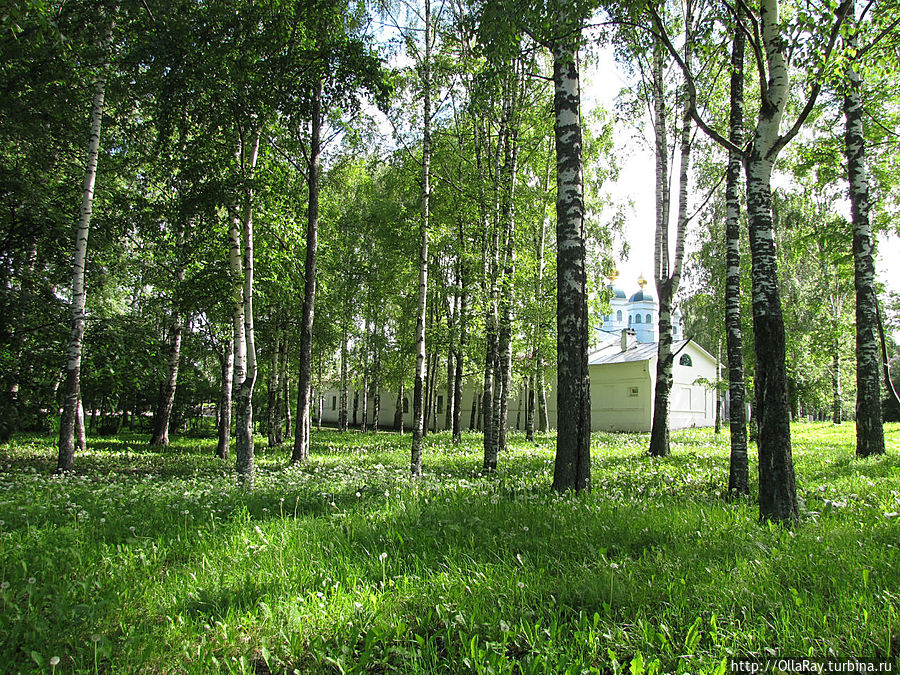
211 211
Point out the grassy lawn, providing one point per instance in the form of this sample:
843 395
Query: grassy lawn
155 561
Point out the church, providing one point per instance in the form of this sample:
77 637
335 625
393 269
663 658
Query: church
622 367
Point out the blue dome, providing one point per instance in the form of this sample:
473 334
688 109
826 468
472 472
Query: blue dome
640 296
617 292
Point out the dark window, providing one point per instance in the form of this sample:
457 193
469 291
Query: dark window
685 360
619 315
440 409
334 402
637 319
649 320
405 404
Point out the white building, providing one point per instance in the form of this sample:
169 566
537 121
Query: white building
622 371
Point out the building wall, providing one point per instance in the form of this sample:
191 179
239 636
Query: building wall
621 398
692 404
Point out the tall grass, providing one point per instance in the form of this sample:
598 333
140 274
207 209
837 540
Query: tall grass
156 561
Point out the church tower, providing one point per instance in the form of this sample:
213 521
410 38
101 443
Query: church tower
638 313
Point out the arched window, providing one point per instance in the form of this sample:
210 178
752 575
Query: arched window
685 360
637 319
619 315
649 320
629 319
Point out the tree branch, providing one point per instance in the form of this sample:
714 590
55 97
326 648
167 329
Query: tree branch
691 87
756 43
817 87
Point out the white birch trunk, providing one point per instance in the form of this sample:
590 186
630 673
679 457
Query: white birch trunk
869 427
777 487
738 471
418 391
66 457
572 468
244 398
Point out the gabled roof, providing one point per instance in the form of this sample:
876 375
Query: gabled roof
611 352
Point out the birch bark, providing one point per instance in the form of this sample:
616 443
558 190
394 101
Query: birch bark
461 341
160 435
659 431
224 435
508 217
738 470
244 396
302 422
418 390
572 468
273 388
66 457
280 382
869 429
777 488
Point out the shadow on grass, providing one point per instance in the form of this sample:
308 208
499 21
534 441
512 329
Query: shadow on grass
600 553
855 468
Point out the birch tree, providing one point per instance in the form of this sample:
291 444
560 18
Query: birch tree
66 457
572 468
304 381
667 270
869 429
738 466
419 382
777 486
242 243
166 400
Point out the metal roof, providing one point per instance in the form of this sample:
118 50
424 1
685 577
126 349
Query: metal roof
612 352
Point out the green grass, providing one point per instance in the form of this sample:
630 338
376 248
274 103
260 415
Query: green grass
155 561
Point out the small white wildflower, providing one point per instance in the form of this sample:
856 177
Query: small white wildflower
383 555
31 580
504 627
54 661
521 584
358 606
525 528
358 495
